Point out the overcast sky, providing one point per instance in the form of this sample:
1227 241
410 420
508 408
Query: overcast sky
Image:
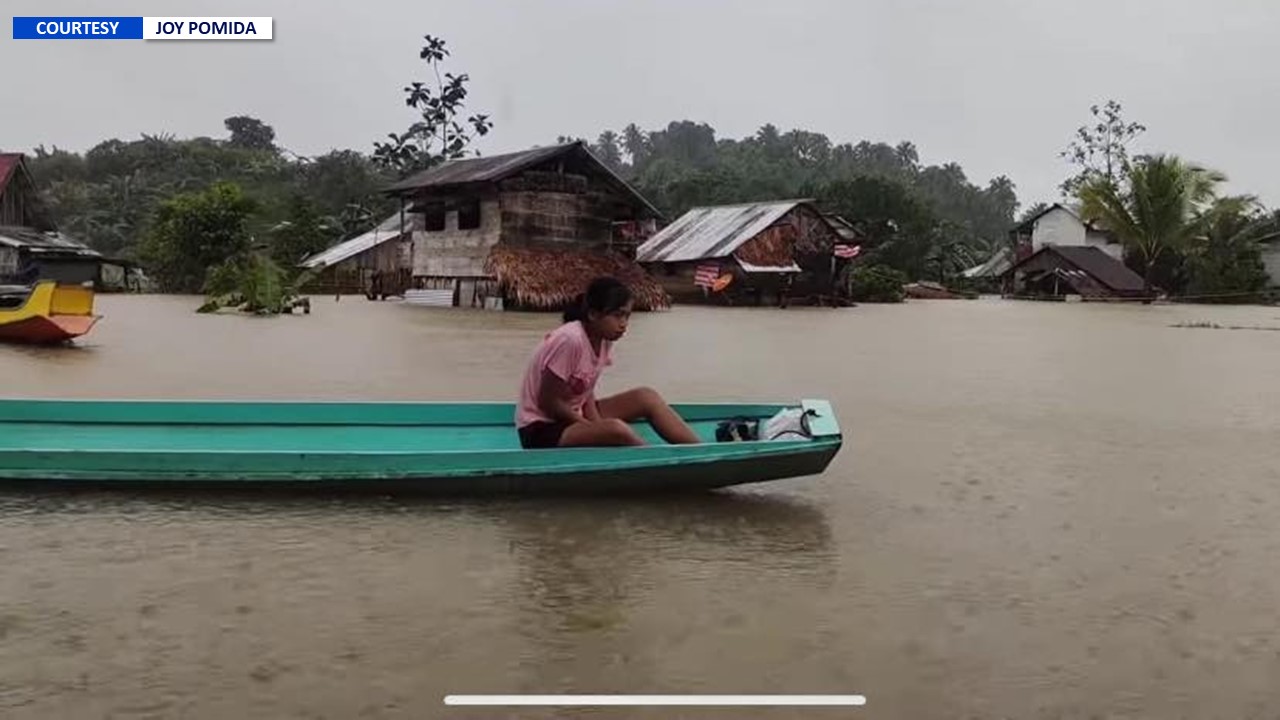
998 86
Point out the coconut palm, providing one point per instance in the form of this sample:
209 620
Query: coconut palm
1153 208
1224 257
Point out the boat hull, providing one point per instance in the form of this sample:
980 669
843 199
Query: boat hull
46 330
397 448
49 315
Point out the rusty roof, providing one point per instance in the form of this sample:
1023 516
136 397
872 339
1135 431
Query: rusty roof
713 232
9 164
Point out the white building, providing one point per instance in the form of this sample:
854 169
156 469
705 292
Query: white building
1060 225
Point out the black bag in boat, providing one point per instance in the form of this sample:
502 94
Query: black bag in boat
737 430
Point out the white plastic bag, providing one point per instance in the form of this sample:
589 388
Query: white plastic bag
788 424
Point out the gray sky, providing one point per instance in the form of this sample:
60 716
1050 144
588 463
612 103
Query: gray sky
996 85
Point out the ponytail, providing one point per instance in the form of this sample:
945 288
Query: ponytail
576 309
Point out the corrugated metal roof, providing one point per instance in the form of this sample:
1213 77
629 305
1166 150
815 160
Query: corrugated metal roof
712 232
994 266
386 230
479 169
36 241
498 167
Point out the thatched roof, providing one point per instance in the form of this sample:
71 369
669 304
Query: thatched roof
550 278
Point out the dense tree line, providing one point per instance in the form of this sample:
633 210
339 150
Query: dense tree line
928 221
1179 232
192 209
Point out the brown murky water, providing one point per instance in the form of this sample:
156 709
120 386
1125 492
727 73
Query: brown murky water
1042 511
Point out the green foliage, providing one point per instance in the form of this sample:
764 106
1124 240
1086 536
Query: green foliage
196 231
906 210
1032 211
1223 262
875 284
250 133
1152 209
437 136
109 196
305 231
253 283
1101 150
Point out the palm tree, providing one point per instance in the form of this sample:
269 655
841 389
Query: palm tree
1155 209
1224 256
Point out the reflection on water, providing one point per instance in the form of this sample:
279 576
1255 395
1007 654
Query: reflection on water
410 597
1041 511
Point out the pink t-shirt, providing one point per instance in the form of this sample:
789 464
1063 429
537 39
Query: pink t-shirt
566 352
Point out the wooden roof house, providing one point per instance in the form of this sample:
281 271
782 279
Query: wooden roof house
525 230
732 252
1061 272
374 263
32 248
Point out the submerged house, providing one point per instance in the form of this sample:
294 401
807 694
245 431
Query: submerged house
1057 225
1061 225
32 248
747 251
523 230
375 263
1061 272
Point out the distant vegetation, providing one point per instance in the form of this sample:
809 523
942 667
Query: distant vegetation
190 208
927 221
1178 232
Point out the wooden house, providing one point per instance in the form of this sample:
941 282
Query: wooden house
743 253
1062 272
374 263
523 230
32 248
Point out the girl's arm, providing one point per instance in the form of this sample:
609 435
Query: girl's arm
554 399
589 408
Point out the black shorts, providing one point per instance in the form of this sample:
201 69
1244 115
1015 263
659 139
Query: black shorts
542 435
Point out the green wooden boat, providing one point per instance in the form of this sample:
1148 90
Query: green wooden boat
388 447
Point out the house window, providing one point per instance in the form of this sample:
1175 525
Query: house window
433 217
469 215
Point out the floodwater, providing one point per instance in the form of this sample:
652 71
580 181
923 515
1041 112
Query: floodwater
1042 511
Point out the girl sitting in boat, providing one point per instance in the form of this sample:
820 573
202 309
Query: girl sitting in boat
558 406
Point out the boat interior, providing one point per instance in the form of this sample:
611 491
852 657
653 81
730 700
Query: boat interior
13 296
198 427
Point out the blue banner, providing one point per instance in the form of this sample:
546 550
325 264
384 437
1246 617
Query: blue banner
77 28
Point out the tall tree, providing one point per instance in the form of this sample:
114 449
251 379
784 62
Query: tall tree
195 232
608 148
1153 207
1100 149
1032 211
304 232
438 135
250 133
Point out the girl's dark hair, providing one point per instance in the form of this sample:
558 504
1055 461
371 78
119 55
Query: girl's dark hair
604 295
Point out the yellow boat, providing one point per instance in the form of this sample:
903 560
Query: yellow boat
45 313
